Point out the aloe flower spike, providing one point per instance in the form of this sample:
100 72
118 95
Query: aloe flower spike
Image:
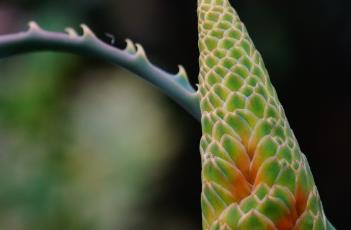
253 171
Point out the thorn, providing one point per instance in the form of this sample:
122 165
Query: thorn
182 73
87 31
197 91
140 51
71 32
33 26
112 37
182 78
130 48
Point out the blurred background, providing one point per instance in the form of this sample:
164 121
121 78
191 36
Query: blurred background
86 145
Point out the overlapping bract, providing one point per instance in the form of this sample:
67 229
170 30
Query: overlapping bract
254 174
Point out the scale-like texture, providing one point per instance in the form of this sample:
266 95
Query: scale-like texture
254 173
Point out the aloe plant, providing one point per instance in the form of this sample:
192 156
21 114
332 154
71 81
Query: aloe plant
254 174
